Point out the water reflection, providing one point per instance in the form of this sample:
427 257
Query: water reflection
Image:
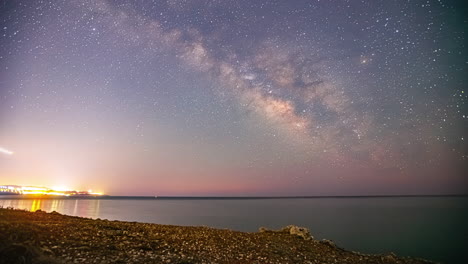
85 208
54 205
36 205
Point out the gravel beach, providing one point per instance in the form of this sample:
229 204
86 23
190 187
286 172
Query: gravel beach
39 237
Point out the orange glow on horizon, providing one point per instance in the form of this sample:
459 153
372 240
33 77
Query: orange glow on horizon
31 190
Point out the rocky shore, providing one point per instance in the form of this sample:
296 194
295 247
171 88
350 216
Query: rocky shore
39 237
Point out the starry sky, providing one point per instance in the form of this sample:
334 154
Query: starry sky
212 97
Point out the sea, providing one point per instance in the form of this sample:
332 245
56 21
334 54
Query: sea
433 228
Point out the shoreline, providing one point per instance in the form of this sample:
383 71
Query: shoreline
117 197
40 237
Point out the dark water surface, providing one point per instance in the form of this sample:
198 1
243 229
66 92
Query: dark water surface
434 228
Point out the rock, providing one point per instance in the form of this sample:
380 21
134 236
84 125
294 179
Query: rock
292 230
300 232
390 257
328 243
47 251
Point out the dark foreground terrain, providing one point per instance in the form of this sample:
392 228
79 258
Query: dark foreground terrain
39 237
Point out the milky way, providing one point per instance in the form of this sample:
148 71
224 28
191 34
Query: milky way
241 97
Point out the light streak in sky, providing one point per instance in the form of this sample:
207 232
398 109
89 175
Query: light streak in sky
6 151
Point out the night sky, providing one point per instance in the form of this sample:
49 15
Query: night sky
235 97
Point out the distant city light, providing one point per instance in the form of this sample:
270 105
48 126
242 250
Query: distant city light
31 190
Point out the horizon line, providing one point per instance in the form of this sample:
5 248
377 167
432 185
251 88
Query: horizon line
162 197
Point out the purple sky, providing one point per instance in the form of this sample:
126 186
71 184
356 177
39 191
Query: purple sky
235 97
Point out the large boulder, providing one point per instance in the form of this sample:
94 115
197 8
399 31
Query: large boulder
292 230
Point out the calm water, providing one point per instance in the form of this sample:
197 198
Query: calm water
430 227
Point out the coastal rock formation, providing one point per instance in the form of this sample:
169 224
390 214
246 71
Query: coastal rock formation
292 230
300 231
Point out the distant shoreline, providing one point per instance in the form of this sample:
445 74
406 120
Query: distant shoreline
111 197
